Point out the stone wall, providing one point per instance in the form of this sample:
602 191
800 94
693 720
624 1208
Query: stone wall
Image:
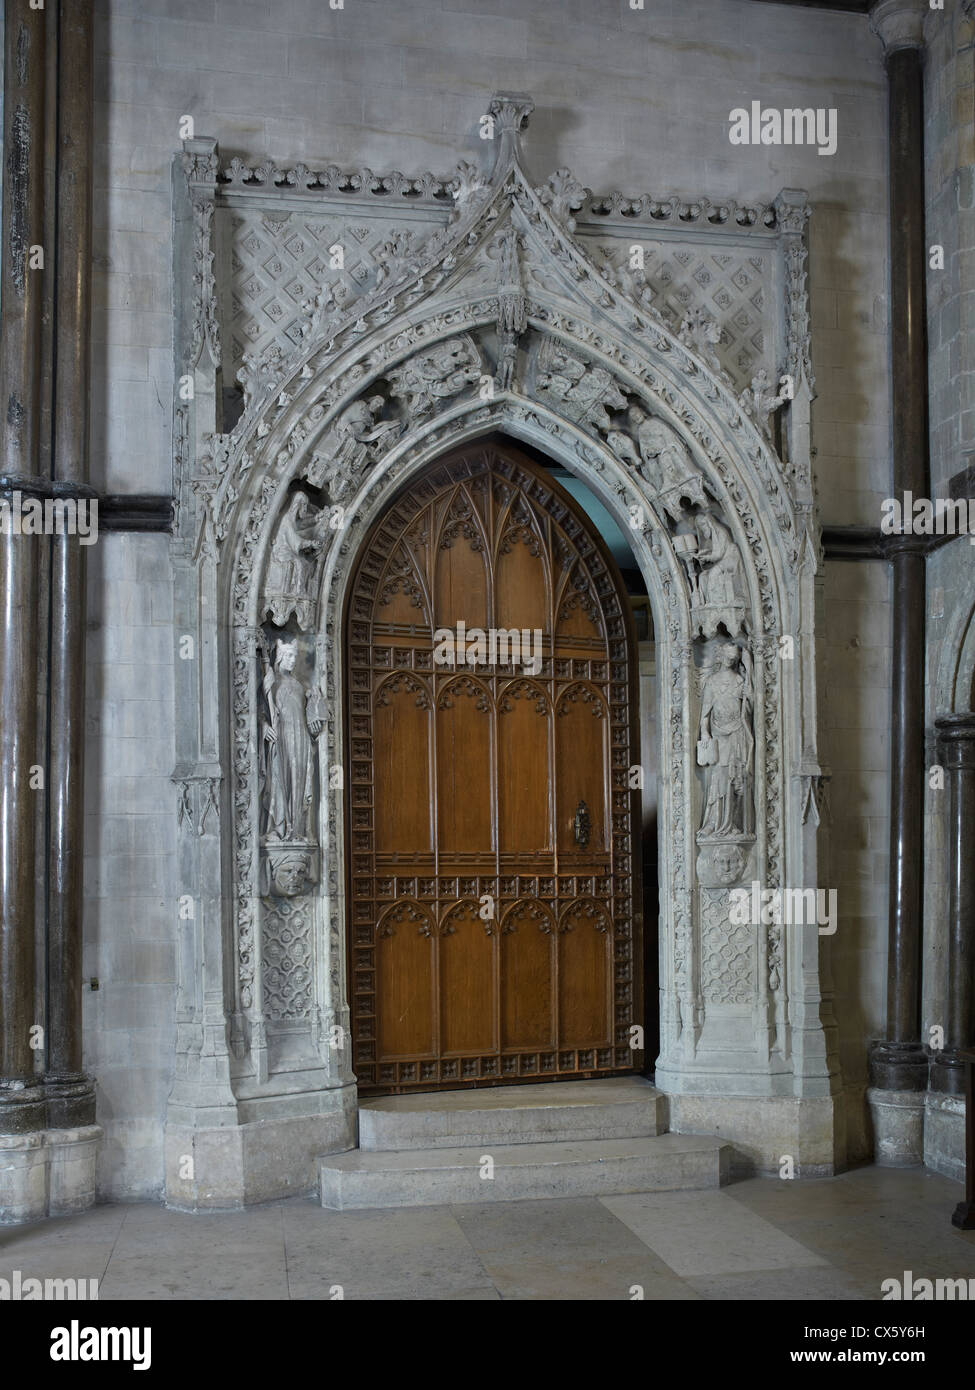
636 100
855 746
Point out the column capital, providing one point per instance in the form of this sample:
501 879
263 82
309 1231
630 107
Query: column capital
899 24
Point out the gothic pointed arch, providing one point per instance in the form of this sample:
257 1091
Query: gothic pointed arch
506 319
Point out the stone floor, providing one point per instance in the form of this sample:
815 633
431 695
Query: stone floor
758 1239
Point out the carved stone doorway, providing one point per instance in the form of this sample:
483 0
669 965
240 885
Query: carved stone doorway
494 862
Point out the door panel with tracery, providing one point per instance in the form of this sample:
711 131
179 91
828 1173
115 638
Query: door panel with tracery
494 931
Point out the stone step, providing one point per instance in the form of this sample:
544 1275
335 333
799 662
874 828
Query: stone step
589 1168
612 1108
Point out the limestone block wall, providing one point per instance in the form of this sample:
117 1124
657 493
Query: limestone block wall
130 849
856 747
634 100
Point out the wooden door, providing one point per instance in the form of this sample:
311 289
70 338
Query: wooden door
493 853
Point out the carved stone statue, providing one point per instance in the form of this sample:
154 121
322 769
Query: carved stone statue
288 872
505 249
585 392
726 747
715 574
665 458
507 360
291 567
721 864
435 374
624 449
356 436
294 717
721 580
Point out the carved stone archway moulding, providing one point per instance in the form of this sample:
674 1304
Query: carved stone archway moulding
520 311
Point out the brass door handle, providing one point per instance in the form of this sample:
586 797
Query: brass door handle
581 825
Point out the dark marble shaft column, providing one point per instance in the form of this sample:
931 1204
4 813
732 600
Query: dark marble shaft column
899 1062
956 749
21 1108
70 1095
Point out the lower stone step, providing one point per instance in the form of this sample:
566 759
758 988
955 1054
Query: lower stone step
590 1168
610 1108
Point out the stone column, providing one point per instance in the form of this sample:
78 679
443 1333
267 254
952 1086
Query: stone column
898 1064
71 1100
21 1103
956 751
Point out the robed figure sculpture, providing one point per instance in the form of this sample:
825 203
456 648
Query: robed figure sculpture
294 718
726 747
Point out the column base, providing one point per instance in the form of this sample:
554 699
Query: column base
898 1067
22 1108
948 1072
898 1127
48 1173
70 1101
944 1134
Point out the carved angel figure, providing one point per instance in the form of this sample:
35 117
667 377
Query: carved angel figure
294 716
726 746
436 374
290 570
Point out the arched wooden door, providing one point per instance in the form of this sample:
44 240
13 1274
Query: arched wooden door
493 854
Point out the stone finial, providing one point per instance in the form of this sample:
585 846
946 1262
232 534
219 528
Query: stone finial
899 23
510 111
